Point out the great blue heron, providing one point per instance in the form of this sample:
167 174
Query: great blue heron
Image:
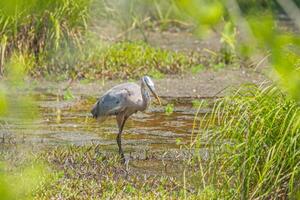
122 101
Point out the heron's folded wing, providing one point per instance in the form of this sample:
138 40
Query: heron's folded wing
111 103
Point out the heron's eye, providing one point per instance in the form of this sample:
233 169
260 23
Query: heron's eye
117 102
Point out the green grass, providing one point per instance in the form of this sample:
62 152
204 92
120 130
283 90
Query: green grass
253 137
39 28
142 58
54 36
132 13
197 69
84 172
125 60
247 147
58 39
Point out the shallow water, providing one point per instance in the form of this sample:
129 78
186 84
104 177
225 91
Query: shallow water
152 139
70 122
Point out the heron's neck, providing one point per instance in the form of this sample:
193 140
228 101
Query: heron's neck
145 96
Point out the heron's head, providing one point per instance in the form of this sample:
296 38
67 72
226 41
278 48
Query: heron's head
149 83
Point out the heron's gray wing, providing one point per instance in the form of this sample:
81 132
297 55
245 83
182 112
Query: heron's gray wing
111 103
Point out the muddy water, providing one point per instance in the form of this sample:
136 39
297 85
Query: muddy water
70 122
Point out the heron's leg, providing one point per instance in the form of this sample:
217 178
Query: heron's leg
121 122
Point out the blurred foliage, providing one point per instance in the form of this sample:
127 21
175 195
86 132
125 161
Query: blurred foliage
17 106
205 14
54 37
253 6
20 183
284 51
262 35
59 36
129 13
13 104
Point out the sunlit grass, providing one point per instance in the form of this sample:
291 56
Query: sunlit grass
252 151
125 60
253 137
84 172
39 28
142 58
58 39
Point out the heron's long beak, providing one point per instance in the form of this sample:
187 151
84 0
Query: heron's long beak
155 95
152 89
157 98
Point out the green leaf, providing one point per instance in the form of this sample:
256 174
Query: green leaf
198 68
169 109
68 95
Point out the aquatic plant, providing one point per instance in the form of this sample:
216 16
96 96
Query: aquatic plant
169 109
68 95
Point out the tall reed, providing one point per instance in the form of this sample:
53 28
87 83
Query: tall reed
37 27
254 142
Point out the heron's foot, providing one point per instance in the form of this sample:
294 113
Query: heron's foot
121 153
125 162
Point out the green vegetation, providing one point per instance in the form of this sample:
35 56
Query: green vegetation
254 145
84 173
128 60
251 137
169 109
17 181
27 179
68 95
252 6
197 69
59 39
131 59
201 103
39 29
